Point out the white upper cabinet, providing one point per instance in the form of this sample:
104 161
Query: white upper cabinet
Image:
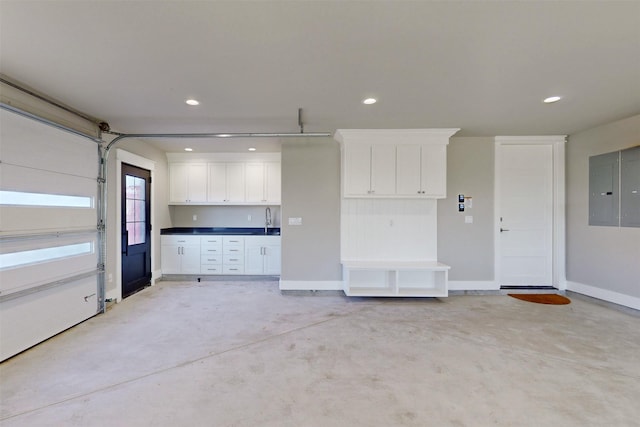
263 183
255 182
372 170
394 163
226 183
273 182
187 183
422 170
357 160
224 178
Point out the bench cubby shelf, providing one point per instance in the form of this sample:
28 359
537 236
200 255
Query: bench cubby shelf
395 279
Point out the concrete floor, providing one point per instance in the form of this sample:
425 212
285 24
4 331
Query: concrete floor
243 354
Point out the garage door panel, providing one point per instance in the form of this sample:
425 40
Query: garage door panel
29 143
33 318
24 266
32 200
22 179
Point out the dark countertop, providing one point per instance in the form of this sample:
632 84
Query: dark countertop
231 231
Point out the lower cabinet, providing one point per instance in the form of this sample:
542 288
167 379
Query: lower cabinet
188 254
180 254
233 254
262 255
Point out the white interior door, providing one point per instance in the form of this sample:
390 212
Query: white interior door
525 210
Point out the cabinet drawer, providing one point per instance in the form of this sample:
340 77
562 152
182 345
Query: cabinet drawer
211 259
233 250
179 239
211 241
233 259
211 250
233 269
229 241
211 269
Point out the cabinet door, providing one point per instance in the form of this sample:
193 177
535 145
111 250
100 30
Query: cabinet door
272 260
408 170
253 259
383 170
217 183
178 182
434 170
235 182
191 259
170 258
357 170
272 183
254 173
197 182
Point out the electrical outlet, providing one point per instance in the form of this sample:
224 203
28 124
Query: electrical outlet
110 278
195 217
249 218
295 221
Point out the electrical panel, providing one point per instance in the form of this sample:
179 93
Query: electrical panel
614 188
630 187
604 189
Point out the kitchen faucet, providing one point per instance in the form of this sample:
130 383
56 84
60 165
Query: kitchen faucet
267 219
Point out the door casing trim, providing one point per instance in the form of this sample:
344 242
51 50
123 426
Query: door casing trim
123 156
557 142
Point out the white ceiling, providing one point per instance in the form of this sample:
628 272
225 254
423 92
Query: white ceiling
481 66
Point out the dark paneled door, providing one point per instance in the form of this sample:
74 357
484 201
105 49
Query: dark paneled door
136 229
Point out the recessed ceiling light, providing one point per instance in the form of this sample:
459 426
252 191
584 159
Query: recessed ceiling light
369 101
192 102
252 149
188 149
552 99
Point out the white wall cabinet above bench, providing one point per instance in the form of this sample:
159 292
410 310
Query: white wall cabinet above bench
407 163
224 179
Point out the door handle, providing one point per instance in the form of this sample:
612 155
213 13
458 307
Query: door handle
125 244
503 229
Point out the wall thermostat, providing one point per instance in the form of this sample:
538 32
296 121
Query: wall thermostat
460 207
460 198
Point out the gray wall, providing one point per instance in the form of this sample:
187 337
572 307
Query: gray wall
223 216
468 248
311 190
602 257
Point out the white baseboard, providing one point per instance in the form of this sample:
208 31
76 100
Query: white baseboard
604 294
311 285
471 285
155 276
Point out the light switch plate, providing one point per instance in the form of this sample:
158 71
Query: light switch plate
468 219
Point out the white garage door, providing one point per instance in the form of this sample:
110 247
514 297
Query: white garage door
48 237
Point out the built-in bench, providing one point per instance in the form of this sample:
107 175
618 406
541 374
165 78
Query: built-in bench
395 279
